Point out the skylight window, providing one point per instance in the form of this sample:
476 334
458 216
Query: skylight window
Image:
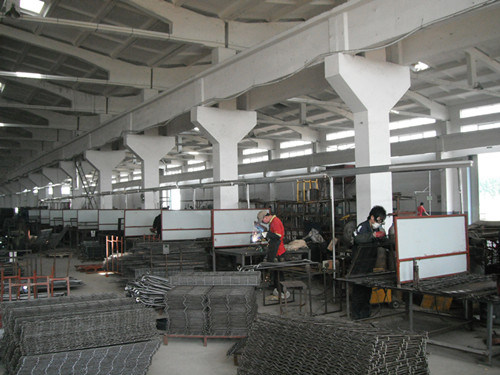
340 135
251 151
32 6
480 111
417 121
290 144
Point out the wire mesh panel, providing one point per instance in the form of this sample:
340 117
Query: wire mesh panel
217 278
36 328
130 359
303 346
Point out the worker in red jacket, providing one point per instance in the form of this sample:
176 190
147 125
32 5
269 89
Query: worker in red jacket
276 248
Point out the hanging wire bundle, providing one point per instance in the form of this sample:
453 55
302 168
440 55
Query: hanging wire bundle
149 290
43 331
304 346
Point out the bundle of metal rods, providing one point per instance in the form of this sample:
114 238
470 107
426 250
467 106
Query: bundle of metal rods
298 346
149 290
35 330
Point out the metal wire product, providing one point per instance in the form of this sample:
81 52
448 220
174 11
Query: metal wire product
304 346
217 278
210 310
472 286
149 290
231 310
130 359
183 256
75 323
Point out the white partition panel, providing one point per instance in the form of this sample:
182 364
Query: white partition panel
437 243
108 219
186 224
70 218
44 216
233 228
34 215
88 219
139 222
55 217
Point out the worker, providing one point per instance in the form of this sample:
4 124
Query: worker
365 254
275 248
156 229
421 210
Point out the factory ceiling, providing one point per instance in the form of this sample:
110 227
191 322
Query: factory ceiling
71 73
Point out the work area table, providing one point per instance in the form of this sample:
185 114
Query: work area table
466 287
249 252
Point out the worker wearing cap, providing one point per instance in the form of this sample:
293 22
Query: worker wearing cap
276 248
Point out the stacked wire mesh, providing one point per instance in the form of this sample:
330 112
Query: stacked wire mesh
303 346
183 256
186 309
216 278
212 303
231 310
45 336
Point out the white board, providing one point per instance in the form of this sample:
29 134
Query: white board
70 218
186 224
44 216
55 217
87 219
139 222
438 243
108 219
233 227
34 215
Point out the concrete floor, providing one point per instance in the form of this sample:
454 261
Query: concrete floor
189 356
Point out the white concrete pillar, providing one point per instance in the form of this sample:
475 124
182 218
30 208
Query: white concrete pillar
69 168
370 89
105 162
150 149
224 129
27 183
15 187
55 175
38 179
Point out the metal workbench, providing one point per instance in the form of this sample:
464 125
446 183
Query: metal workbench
467 287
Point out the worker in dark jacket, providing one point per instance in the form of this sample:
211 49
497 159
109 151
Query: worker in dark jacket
157 226
364 257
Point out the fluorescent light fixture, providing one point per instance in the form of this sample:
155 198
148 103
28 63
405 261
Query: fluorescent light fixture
28 75
419 66
2 87
33 6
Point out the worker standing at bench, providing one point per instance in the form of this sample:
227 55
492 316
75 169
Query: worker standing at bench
365 254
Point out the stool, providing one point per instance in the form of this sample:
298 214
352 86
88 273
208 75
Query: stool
292 286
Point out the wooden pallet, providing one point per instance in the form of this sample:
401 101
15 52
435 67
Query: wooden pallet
59 255
89 268
204 337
